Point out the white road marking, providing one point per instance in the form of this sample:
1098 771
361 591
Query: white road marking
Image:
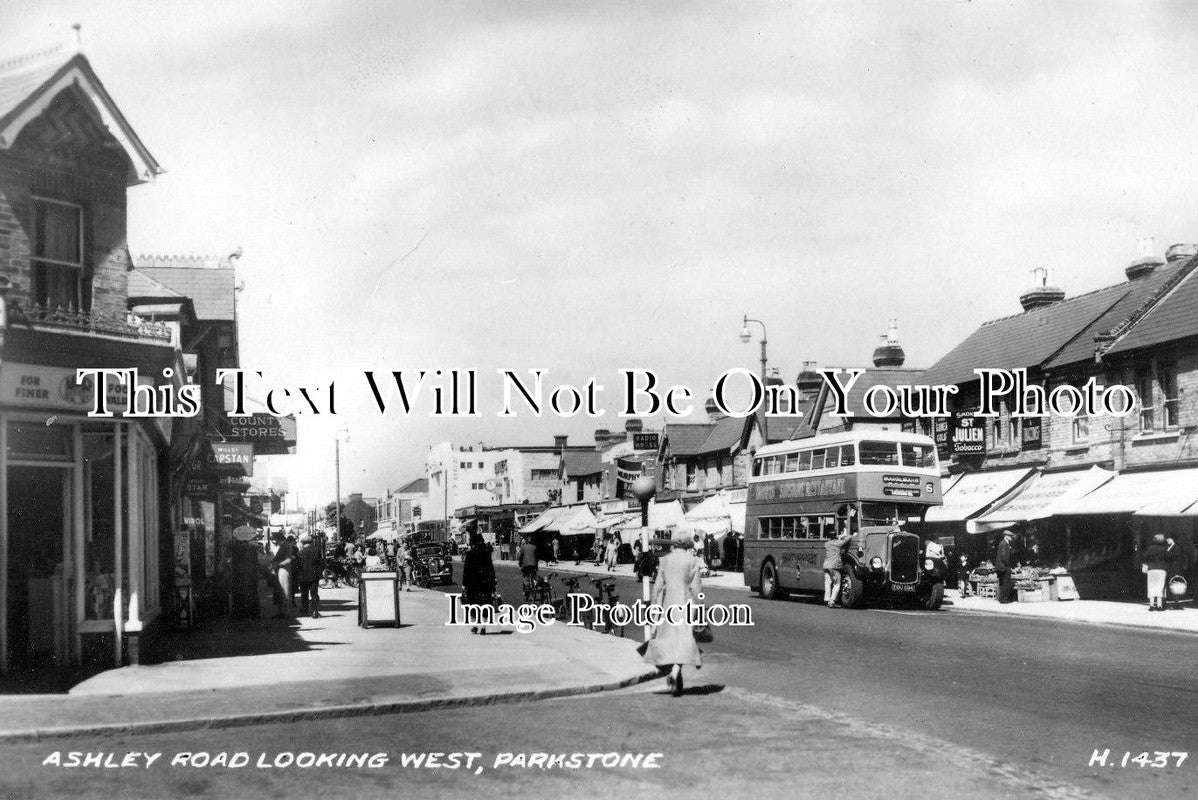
1027 782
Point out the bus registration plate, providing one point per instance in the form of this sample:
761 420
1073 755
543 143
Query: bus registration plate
903 587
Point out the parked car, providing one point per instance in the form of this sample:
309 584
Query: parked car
431 558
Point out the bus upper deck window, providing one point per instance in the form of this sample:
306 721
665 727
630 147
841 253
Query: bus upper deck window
846 455
804 461
757 466
918 455
879 453
817 459
792 462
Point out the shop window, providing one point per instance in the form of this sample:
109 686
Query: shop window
33 442
57 255
692 476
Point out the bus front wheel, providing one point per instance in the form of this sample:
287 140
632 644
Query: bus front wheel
770 589
852 590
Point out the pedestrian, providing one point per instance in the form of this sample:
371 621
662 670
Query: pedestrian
245 572
527 560
478 576
1004 561
556 549
963 574
280 564
600 548
374 562
613 549
833 564
1155 559
309 564
679 581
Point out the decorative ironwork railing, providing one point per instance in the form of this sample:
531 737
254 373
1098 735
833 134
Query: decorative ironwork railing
129 326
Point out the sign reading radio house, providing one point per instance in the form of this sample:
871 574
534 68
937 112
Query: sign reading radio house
645 441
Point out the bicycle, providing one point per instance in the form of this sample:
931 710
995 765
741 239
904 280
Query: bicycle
540 591
559 604
605 595
337 573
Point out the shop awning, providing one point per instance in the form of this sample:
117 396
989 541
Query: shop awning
1156 493
1041 497
975 492
242 514
543 519
573 521
717 516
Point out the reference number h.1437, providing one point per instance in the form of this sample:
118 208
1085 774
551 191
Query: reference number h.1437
1157 759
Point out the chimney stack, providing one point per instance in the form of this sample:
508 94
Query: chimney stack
1146 263
560 441
889 353
713 411
1044 291
1180 252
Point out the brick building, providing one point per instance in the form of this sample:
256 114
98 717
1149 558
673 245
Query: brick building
86 507
1083 491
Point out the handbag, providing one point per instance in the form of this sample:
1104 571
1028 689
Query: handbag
703 634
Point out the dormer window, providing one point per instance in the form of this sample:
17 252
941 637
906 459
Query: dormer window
57 255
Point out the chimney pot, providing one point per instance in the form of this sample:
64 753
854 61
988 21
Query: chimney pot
1044 291
1180 252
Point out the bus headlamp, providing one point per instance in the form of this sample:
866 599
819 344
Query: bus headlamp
875 562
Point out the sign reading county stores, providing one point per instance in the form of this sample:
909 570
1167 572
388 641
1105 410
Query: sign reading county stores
270 435
645 441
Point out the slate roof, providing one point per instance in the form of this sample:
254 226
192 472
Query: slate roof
687 438
1174 317
581 463
23 78
208 281
142 286
418 486
870 377
1049 337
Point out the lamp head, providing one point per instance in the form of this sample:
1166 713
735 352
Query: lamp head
643 488
745 336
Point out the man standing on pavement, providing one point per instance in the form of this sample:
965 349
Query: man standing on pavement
308 564
527 560
1003 563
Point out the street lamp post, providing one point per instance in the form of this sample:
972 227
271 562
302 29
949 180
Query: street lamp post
746 336
643 489
337 471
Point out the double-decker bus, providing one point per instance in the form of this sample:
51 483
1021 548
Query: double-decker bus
804 492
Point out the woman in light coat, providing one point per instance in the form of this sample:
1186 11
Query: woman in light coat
679 579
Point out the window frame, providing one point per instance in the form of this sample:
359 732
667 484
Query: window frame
35 260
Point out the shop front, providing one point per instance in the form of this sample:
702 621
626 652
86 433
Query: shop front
1108 528
81 502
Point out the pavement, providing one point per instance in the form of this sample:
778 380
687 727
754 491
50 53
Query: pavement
1093 612
245 672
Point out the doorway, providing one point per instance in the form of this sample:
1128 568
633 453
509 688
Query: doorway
39 503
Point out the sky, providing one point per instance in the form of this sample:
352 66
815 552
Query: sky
583 187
